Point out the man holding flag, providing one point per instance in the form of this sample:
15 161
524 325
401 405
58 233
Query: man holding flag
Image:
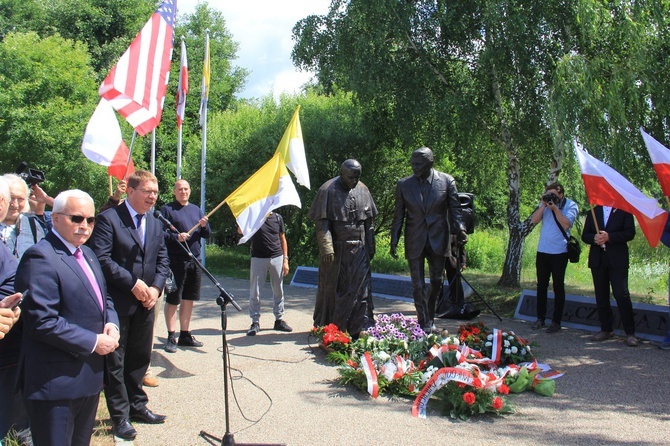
608 261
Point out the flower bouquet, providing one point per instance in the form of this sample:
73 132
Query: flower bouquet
467 374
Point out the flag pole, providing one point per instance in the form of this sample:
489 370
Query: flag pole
181 102
111 192
203 122
153 151
595 222
192 230
667 200
130 154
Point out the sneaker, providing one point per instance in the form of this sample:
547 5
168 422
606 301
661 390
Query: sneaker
171 344
665 345
537 325
255 328
189 341
554 328
281 325
632 341
602 336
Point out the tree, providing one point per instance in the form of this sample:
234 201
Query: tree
47 94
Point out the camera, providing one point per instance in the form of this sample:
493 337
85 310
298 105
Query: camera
32 176
550 198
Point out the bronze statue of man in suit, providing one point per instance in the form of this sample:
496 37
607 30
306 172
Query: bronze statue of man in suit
428 204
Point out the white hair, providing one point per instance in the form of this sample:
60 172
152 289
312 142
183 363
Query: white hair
60 202
4 190
14 179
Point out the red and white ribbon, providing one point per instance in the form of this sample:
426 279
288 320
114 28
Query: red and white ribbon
439 379
370 372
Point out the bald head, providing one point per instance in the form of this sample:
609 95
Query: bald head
422 162
182 192
350 173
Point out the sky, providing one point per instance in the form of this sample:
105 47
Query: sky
263 29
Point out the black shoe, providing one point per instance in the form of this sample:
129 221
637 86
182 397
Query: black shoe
124 430
255 328
537 324
147 416
189 341
281 325
171 344
554 328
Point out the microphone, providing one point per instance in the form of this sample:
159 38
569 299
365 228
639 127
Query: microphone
165 221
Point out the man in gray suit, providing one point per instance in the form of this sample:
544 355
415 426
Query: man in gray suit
428 204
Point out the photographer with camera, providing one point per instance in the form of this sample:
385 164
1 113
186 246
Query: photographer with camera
552 251
20 229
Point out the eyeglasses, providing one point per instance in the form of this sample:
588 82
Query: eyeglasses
78 219
148 192
18 199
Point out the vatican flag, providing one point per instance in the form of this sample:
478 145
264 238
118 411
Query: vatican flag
292 149
268 189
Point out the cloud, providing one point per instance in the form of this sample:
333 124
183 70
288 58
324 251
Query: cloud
263 29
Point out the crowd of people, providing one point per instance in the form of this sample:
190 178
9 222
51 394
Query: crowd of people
78 299
80 292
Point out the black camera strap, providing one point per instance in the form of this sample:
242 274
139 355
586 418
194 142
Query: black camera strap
565 234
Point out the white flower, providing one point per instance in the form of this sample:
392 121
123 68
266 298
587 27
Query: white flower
514 350
488 344
506 343
507 351
523 352
504 333
383 356
511 338
490 337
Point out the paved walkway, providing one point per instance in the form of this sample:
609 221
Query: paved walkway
284 392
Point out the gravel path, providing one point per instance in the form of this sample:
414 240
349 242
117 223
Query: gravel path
284 392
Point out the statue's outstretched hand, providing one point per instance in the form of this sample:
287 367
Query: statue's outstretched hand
462 238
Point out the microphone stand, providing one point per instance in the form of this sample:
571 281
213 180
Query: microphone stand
222 301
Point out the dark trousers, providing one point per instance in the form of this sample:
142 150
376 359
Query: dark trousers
12 409
425 308
603 277
127 365
551 265
63 422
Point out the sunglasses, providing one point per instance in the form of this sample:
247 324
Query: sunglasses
77 219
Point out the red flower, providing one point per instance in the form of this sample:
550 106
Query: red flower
352 364
475 330
497 403
477 383
503 389
460 385
469 398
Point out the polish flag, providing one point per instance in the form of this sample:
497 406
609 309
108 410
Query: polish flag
103 143
607 187
660 157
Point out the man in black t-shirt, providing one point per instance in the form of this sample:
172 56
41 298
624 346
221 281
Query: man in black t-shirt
269 253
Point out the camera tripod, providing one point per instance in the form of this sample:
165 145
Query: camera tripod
454 282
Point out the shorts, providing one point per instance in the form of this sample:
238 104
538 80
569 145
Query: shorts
187 277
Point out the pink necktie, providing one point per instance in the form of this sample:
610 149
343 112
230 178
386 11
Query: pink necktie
89 274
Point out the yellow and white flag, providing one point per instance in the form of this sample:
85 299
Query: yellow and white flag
268 189
292 149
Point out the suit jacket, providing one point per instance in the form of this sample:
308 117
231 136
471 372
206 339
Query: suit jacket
117 244
620 228
434 220
61 320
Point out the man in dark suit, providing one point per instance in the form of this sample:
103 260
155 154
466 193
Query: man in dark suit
128 241
428 204
608 260
69 325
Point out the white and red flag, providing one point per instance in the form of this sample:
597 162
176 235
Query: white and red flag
103 143
137 84
660 157
607 187
182 86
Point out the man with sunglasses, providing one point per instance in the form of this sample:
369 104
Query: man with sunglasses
70 325
128 241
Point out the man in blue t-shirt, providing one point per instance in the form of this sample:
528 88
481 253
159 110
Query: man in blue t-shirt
269 253
552 251
187 274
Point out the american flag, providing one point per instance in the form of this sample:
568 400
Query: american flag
182 88
137 84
